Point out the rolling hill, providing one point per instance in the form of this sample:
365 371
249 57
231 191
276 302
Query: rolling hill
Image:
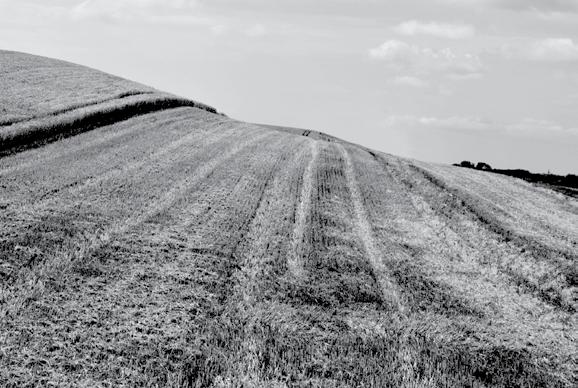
146 240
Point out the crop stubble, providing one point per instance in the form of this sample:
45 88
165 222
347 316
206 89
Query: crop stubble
183 248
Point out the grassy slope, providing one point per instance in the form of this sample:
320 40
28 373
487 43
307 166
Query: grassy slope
44 100
184 248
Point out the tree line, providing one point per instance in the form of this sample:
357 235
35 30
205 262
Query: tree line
570 180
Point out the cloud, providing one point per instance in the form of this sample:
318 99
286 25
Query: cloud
554 50
538 5
419 61
530 125
256 30
440 30
541 6
406 80
144 10
219 29
454 122
524 127
543 50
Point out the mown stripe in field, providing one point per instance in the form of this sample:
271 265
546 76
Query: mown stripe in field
391 215
337 269
246 271
24 136
551 287
41 201
185 184
490 221
118 96
295 257
259 258
108 136
33 279
365 233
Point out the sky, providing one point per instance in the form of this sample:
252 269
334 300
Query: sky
435 80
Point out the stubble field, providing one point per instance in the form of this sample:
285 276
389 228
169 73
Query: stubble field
179 247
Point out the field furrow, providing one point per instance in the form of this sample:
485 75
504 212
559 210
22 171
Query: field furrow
44 251
550 234
439 276
107 157
365 232
534 268
261 262
295 256
96 272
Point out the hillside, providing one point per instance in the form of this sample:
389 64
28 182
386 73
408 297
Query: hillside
43 100
565 184
179 247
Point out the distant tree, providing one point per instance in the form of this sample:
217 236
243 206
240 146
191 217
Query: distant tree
571 180
483 166
467 164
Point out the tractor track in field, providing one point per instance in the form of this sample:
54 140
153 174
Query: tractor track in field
166 245
467 202
185 184
561 260
295 258
251 268
77 186
365 233
31 284
231 258
132 166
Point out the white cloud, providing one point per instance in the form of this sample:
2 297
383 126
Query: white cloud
117 10
164 12
440 30
256 30
541 6
219 29
554 50
407 80
530 125
527 126
418 61
391 50
454 122
543 50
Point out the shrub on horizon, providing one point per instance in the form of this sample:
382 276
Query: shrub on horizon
483 166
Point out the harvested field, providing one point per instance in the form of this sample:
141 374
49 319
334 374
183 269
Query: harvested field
178 247
46 100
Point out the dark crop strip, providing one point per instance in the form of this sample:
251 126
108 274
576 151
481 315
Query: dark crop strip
37 135
130 93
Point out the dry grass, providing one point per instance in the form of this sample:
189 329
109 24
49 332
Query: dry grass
45 100
182 248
